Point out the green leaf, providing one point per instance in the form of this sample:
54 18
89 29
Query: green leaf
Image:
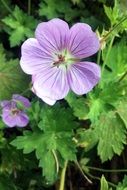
6 183
104 184
111 134
48 164
116 14
64 9
112 13
87 138
52 9
34 113
75 1
122 185
4 11
83 164
53 143
96 107
20 26
12 79
112 92
38 141
79 105
53 119
116 61
121 108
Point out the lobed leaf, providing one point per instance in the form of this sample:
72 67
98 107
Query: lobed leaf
53 142
20 26
12 79
111 134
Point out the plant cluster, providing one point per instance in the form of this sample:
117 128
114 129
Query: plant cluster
80 141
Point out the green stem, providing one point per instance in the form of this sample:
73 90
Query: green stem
123 76
83 173
62 178
56 160
92 176
7 7
108 52
99 57
25 91
106 170
98 178
29 7
108 34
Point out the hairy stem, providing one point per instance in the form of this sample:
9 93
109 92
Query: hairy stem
123 76
98 178
94 177
99 57
29 7
108 52
56 160
107 170
62 178
83 172
6 6
115 27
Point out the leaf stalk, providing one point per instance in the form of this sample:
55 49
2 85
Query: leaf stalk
62 178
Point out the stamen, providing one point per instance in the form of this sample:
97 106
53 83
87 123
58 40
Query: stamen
15 111
61 60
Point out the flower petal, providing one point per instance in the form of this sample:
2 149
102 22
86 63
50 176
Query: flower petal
34 58
83 42
5 103
8 119
52 35
22 99
83 76
51 84
45 99
21 120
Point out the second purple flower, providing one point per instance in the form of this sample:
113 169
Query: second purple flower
54 59
14 111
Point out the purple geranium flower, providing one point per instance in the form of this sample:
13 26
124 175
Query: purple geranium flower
54 59
13 111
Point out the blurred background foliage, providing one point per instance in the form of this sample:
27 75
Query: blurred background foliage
89 131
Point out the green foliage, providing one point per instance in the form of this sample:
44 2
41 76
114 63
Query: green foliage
78 105
96 107
122 185
53 143
117 60
62 9
111 135
122 111
83 163
34 113
76 1
82 127
4 11
107 108
87 138
104 184
20 26
6 183
52 9
112 13
11 77
116 14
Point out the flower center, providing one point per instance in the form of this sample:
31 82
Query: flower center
63 59
15 111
